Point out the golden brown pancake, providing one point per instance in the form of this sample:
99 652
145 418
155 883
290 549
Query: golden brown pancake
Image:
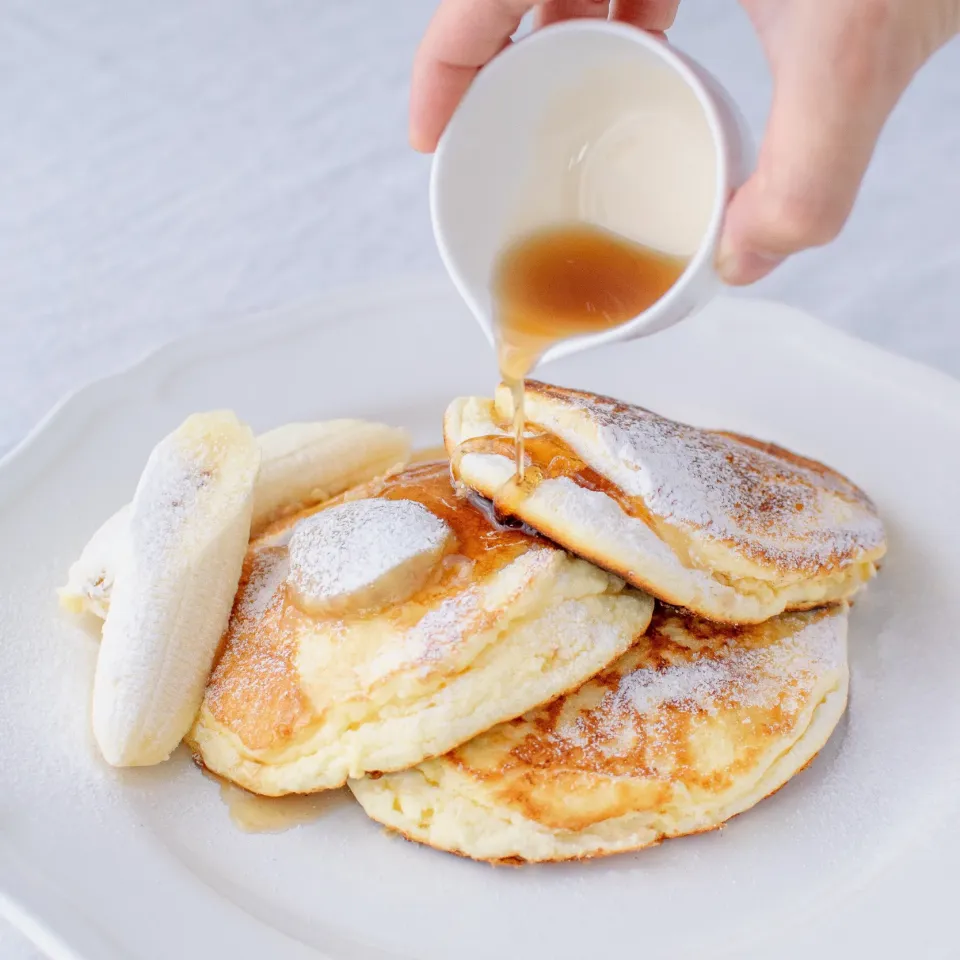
729 527
695 724
299 700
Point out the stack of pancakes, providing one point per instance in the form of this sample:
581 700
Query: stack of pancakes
483 661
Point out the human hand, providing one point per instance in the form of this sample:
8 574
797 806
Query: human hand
839 67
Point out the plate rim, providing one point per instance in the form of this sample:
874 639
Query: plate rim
248 327
24 894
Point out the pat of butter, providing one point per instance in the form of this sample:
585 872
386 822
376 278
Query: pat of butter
364 554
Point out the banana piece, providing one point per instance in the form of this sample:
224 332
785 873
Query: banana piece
178 570
306 463
90 580
301 463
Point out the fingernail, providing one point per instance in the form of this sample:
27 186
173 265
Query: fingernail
740 267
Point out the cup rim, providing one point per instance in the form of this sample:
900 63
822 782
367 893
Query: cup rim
702 258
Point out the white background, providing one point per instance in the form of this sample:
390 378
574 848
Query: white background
168 166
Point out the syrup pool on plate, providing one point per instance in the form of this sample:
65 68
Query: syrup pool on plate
566 281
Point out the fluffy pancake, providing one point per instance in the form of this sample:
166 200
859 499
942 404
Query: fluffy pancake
731 528
695 724
299 701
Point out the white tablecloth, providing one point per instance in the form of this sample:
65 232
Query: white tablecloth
168 166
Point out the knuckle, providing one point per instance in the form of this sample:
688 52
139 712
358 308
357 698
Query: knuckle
875 14
863 50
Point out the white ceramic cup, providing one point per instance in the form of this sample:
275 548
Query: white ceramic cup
596 121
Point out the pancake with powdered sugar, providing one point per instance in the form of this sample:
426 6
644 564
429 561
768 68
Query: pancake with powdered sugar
729 527
393 624
695 724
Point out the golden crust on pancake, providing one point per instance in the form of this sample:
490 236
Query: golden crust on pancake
693 725
727 526
298 702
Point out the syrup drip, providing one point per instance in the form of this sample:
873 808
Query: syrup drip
255 814
568 281
547 457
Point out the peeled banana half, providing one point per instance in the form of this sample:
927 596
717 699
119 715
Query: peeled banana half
90 580
180 563
306 463
301 463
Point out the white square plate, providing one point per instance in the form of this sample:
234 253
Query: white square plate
855 857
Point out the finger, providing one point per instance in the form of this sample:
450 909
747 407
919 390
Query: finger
462 36
655 15
824 124
555 10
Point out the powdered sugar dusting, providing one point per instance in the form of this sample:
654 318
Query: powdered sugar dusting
255 687
450 624
576 629
268 568
748 676
773 505
165 499
738 673
444 627
438 631
338 551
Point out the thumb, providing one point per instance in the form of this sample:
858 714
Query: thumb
831 99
